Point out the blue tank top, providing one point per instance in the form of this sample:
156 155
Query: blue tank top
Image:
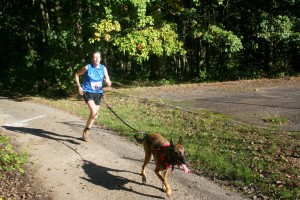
93 79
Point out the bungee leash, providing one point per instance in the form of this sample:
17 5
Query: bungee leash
109 107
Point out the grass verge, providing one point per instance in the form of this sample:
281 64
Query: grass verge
276 120
9 159
259 161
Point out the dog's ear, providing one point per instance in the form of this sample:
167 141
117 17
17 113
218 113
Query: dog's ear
171 143
180 141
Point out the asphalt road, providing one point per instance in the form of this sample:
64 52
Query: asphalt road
250 107
245 101
108 167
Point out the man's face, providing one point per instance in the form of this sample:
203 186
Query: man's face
96 59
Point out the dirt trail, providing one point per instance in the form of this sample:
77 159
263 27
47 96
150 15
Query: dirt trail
108 167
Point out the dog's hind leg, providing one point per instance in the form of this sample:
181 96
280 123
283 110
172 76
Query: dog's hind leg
164 181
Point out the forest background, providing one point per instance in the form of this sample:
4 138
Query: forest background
43 42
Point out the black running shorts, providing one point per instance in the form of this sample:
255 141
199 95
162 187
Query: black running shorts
96 97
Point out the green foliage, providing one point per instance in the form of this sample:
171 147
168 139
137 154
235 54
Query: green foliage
31 58
141 6
62 39
275 28
104 30
140 44
276 120
44 44
9 159
224 40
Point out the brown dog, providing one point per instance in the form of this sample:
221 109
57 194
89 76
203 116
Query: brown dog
165 154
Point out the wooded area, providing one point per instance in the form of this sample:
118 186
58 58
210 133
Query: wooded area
43 42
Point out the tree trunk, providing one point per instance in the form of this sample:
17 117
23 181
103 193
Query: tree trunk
78 25
57 10
45 16
156 67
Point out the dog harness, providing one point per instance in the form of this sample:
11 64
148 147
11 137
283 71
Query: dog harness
161 153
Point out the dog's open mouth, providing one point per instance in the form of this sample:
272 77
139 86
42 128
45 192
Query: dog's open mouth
185 168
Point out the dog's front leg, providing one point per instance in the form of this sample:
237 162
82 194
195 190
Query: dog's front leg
144 179
164 181
146 161
165 175
162 185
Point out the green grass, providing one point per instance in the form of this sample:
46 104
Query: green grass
276 120
9 159
248 157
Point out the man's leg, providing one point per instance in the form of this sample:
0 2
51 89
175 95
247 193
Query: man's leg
92 117
93 113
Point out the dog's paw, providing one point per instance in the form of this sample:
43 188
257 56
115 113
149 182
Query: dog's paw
168 190
169 193
144 179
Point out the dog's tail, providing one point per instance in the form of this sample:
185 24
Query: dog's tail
139 139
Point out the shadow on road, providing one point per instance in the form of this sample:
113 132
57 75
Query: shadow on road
77 124
44 134
102 176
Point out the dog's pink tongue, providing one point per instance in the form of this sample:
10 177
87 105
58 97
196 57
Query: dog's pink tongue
186 170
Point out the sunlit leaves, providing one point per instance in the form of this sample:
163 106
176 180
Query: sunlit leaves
137 34
140 44
104 30
220 2
141 6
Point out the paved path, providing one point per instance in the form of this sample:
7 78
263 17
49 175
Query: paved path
252 107
245 101
108 167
